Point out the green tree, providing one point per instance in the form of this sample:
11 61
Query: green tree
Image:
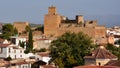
8 30
8 58
15 31
27 28
69 49
42 50
30 40
115 50
29 44
22 44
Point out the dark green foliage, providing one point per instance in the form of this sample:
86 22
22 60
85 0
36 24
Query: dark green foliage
115 50
15 31
8 30
26 51
42 50
69 49
22 44
29 44
8 58
30 40
27 28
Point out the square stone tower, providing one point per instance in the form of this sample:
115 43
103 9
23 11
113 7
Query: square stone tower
52 21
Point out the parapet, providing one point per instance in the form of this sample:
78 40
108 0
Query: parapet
52 10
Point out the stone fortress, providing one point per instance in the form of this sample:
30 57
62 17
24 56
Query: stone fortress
20 26
55 25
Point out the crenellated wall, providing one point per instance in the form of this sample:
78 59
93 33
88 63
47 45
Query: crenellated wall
55 26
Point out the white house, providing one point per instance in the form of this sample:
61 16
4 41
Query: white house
13 51
15 39
44 56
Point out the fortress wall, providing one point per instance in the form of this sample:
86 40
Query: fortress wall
89 31
100 31
55 27
20 26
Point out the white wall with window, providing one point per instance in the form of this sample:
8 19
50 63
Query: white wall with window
13 51
16 39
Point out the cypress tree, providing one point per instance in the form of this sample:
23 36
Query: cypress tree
30 41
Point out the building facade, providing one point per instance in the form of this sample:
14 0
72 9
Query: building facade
13 51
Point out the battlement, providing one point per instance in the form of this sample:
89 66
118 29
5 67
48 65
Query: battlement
56 25
52 10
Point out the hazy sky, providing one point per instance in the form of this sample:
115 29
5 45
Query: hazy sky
107 12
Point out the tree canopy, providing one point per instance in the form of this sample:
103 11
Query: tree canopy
115 50
69 49
27 28
8 30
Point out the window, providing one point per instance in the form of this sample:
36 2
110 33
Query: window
9 50
1 50
14 51
15 56
21 56
20 51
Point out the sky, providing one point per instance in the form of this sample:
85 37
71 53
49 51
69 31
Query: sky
107 12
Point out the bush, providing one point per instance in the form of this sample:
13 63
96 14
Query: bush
8 58
42 50
26 51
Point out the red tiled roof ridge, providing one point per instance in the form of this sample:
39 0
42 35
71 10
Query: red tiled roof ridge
96 67
102 53
113 63
4 45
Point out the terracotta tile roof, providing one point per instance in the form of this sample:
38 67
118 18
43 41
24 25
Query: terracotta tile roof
3 63
19 63
96 67
113 63
101 53
44 54
48 66
4 45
